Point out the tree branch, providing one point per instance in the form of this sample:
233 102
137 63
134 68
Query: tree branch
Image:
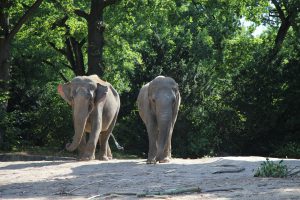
24 18
279 10
109 2
286 23
154 193
57 49
77 52
67 66
81 13
82 42
60 22
70 51
60 73
283 29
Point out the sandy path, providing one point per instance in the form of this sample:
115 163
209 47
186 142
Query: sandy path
49 179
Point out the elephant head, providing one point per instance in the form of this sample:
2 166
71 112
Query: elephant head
84 95
164 100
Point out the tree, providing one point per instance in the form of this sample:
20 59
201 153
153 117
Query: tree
7 34
73 50
8 31
239 90
287 12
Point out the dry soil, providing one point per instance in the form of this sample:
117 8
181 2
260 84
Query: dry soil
218 178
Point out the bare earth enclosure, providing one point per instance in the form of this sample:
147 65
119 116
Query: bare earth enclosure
207 178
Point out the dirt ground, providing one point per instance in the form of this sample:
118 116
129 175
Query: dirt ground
218 178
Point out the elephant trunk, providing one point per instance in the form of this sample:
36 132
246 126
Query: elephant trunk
164 137
80 117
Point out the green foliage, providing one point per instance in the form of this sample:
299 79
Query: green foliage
36 115
54 118
272 169
234 100
131 134
11 131
289 150
49 124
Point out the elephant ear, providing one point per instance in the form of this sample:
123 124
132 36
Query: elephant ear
65 92
100 93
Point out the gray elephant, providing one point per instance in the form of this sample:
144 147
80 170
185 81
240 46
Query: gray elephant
95 104
158 104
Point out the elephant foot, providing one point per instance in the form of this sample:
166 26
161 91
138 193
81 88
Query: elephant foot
165 160
151 161
105 158
86 157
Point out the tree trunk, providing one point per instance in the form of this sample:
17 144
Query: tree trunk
287 19
74 56
4 43
4 62
72 50
96 38
96 29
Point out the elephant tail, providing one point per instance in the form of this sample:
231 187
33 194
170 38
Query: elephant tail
116 143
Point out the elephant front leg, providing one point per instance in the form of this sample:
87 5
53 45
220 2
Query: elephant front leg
167 151
81 147
89 153
152 130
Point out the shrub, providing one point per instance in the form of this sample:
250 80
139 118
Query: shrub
272 169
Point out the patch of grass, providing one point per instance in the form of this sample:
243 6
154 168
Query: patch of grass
272 169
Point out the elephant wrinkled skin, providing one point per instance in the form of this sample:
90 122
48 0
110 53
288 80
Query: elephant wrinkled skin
95 104
158 104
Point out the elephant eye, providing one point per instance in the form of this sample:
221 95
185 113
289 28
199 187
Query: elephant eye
92 87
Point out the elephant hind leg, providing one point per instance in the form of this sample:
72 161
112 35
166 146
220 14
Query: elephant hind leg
109 154
105 151
104 154
104 146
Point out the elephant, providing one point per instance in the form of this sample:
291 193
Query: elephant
158 104
95 104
